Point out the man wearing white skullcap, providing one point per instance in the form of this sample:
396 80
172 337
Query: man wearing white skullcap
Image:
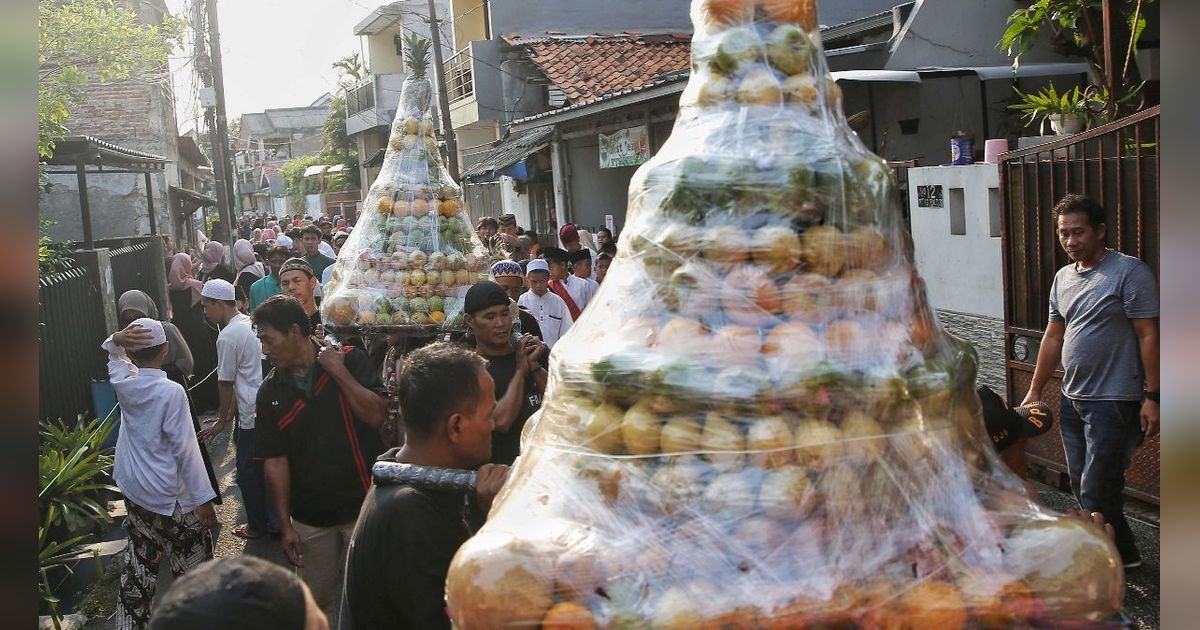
158 468
239 373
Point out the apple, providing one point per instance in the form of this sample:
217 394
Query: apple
640 428
734 344
730 497
807 297
726 244
824 250
680 434
776 247
770 442
818 443
786 494
723 443
749 296
603 428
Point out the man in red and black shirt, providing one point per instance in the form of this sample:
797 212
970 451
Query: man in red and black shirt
319 412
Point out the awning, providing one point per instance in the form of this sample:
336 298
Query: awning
509 152
990 73
886 76
336 168
187 201
72 150
315 169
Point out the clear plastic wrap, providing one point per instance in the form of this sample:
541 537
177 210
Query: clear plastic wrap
412 256
758 422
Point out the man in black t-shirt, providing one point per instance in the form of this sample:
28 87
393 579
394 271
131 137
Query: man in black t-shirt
319 413
517 365
406 536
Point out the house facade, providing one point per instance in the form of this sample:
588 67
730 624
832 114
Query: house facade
137 114
266 141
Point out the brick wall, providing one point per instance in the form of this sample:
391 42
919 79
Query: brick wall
987 335
137 113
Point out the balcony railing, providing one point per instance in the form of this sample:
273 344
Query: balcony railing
460 80
361 97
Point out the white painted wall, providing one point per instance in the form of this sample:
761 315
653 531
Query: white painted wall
513 202
962 273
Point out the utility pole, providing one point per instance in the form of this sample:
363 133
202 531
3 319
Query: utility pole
443 97
217 124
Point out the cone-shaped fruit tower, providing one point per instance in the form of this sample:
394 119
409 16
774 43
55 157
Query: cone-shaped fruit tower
412 256
758 422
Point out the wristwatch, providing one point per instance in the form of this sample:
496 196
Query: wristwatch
1150 394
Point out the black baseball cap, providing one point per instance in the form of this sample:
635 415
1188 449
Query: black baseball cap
484 295
241 592
507 219
1006 425
555 254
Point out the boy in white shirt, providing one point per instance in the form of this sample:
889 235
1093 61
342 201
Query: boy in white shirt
158 468
239 374
550 310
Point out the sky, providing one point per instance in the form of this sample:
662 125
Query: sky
275 53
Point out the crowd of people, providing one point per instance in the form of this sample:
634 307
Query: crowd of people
311 415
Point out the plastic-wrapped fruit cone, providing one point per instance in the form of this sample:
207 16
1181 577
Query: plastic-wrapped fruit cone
760 422
418 230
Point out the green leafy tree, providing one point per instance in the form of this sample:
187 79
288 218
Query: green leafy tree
350 71
91 40
1076 29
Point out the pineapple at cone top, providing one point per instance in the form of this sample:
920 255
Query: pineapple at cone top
412 255
760 398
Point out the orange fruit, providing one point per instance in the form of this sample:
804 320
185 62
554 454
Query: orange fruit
801 12
718 12
385 205
437 316
568 616
448 208
420 207
400 208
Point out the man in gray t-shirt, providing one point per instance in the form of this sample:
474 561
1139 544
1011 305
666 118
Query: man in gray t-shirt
1104 328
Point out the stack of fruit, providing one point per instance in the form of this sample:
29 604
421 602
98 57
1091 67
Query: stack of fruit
761 425
412 256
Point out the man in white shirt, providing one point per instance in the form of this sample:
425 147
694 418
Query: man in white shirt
239 373
552 314
581 269
158 468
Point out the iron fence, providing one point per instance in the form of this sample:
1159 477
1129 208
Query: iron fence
70 330
1117 164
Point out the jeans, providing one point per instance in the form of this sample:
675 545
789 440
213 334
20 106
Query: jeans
1100 438
260 516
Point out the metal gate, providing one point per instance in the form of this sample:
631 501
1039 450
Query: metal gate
70 330
1118 164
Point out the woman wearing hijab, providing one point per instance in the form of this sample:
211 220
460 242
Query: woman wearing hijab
249 269
211 266
201 337
178 365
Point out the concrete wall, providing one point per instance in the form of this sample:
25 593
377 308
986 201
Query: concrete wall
963 272
533 17
137 114
942 103
470 21
958 33
595 191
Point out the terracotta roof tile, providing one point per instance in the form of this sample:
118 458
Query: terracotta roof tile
592 66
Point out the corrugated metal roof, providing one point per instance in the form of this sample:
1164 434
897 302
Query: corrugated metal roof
510 151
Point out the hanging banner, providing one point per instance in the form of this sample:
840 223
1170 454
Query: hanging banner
624 147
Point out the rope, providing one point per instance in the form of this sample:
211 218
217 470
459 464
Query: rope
201 381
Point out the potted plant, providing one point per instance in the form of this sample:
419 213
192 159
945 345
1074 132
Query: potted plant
1068 112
